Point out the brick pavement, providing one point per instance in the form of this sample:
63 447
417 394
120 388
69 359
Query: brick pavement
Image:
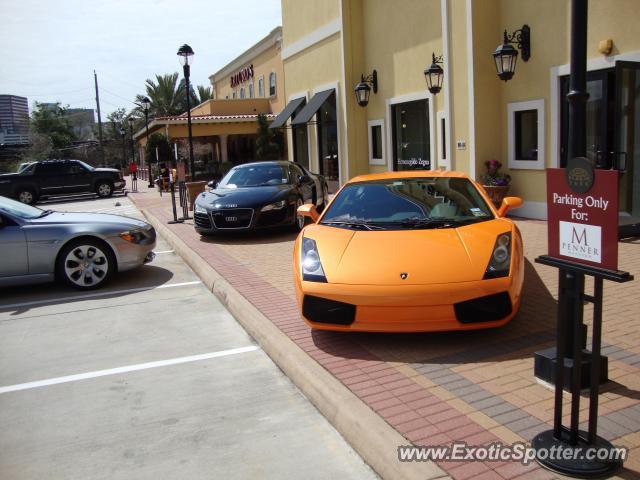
434 388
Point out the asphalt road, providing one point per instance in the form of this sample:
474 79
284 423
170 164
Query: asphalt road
149 377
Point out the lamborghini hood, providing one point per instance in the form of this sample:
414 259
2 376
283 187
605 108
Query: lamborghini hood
429 256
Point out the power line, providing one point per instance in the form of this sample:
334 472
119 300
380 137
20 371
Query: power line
116 95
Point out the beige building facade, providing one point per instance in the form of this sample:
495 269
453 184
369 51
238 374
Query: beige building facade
256 73
328 45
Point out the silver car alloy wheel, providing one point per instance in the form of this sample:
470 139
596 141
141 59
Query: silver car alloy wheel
86 265
299 218
26 197
104 190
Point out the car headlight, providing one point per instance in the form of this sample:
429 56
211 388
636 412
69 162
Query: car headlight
274 206
200 209
500 260
133 236
310 262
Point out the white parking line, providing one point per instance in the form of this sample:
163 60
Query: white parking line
128 368
163 251
96 295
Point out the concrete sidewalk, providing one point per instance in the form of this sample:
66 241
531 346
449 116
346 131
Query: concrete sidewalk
429 389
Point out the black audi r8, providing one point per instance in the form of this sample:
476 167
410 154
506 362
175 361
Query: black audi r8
259 195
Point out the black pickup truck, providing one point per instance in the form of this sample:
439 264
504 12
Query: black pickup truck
59 177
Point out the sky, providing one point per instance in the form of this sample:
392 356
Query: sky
50 48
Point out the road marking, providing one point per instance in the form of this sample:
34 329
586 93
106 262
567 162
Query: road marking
163 251
128 368
97 295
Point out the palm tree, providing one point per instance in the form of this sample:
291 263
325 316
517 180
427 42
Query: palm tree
167 96
204 93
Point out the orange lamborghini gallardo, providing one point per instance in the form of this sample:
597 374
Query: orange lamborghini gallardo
417 251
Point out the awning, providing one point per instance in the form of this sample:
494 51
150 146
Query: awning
312 107
284 115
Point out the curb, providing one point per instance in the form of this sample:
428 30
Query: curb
373 438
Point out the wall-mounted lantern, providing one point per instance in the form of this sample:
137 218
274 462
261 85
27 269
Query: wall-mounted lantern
434 74
505 55
363 89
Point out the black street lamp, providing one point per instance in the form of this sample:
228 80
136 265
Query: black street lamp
185 52
146 104
123 134
505 55
133 152
434 74
363 89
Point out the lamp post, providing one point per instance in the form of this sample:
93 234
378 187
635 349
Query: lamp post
185 52
123 134
146 104
133 152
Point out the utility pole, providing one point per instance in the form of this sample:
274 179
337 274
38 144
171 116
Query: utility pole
95 78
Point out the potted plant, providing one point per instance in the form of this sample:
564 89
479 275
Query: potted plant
495 183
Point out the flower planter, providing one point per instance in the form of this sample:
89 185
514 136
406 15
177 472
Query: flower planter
497 193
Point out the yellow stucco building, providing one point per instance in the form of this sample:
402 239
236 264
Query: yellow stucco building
328 45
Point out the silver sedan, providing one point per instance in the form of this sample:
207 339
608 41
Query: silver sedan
81 249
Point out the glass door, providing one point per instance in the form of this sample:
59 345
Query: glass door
627 146
613 133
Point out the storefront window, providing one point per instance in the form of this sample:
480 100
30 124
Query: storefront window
411 142
300 140
261 87
272 84
328 140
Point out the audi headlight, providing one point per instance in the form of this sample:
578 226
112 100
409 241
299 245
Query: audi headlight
310 262
274 206
500 260
200 209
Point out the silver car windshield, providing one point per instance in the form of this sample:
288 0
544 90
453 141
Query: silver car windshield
19 209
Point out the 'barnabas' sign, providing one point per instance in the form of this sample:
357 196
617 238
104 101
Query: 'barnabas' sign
242 76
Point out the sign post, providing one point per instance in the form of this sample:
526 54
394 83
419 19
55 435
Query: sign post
583 240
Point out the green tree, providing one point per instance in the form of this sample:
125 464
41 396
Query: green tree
40 148
50 120
204 93
117 124
167 96
269 142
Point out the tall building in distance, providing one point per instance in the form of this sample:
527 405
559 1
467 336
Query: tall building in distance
14 119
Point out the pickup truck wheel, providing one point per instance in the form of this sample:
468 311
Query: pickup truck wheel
85 264
104 189
27 196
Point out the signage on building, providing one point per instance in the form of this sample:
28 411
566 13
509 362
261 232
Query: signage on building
241 76
582 207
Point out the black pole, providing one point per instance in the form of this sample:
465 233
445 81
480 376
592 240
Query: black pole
578 95
577 98
146 121
131 143
187 70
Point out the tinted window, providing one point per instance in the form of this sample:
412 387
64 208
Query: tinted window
409 199
296 171
255 176
50 169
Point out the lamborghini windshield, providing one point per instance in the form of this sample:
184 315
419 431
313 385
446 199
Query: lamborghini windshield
440 202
